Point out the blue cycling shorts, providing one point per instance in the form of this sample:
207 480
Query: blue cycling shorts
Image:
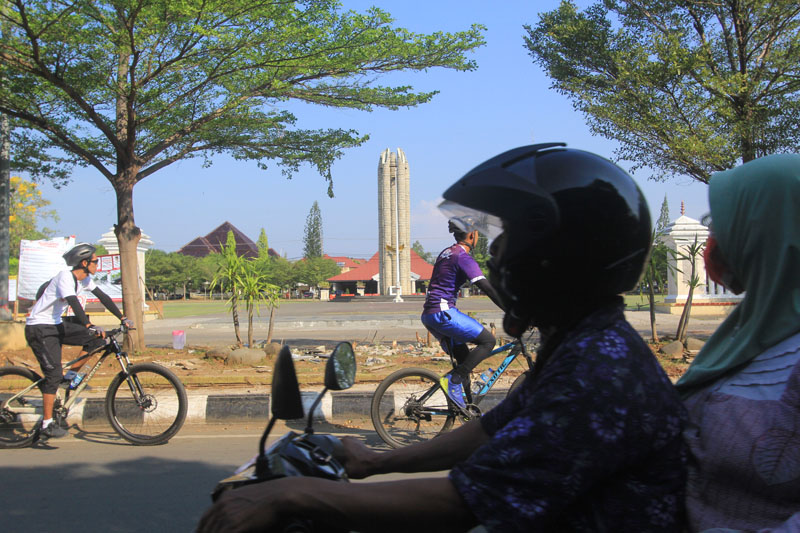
452 324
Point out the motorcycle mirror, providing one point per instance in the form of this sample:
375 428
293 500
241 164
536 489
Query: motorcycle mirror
287 404
340 371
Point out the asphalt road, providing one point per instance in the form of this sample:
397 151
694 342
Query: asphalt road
93 481
312 322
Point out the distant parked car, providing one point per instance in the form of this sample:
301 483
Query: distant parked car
176 296
308 294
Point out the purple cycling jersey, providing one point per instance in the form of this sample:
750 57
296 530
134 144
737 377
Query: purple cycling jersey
453 267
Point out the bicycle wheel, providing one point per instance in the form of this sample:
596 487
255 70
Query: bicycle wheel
148 406
19 420
409 406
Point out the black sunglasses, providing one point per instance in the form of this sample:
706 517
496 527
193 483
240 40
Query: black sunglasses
95 261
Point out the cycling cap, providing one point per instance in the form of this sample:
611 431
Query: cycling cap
572 222
78 253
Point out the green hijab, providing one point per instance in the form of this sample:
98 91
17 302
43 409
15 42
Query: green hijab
755 212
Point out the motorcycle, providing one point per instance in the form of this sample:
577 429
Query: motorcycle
297 454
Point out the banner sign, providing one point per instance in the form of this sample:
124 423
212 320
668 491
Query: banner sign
39 261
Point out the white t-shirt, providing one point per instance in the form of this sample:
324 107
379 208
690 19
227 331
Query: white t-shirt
52 304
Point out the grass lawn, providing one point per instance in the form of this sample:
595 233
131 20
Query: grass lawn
182 308
639 302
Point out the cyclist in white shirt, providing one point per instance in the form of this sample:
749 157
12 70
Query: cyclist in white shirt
46 332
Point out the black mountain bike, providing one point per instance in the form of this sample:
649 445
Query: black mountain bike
145 403
410 406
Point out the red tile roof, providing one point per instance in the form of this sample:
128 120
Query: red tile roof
346 262
366 271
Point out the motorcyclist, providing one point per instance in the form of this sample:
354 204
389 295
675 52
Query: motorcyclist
591 441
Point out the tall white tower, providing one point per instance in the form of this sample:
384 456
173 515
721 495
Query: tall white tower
394 224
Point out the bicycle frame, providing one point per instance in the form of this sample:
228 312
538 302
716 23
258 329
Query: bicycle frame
112 347
500 369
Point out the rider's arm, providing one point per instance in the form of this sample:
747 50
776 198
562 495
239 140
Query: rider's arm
484 285
431 504
77 308
433 455
107 302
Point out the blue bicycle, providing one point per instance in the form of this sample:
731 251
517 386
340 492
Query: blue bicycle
410 406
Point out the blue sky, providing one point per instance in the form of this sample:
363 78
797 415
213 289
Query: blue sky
505 103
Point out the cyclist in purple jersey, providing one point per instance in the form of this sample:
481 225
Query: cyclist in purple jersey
454 267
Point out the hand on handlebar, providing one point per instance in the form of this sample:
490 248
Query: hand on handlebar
98 331
357 458
250 508
127 323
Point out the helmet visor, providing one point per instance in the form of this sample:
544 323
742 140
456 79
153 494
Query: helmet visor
470 219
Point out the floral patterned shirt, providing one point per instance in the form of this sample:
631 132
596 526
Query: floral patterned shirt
591 443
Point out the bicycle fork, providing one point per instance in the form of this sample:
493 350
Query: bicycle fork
135 386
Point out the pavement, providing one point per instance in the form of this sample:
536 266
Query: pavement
304 323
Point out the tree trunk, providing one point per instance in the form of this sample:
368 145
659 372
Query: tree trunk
652 297
249 326
683 323
235 314
271 323
128 236
5 210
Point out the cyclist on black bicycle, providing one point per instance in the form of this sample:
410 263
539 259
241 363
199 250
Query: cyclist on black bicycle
451 327
46 332
591 440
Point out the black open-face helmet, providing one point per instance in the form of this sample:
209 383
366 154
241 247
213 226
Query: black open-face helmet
78 253
569 229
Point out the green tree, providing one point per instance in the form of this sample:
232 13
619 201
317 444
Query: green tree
130 87
312 237
663 218
314 271
228 278
686 88
263 244
27 210
282 273
427 256
481 252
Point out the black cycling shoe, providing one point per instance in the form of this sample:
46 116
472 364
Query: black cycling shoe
53 431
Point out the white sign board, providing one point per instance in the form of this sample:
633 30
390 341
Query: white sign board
39 261
108 277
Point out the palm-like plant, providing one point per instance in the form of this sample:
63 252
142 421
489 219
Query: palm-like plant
693 251
228 279
255 291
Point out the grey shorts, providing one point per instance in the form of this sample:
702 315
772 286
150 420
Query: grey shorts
46 340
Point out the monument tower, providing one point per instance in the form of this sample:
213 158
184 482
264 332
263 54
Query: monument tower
394 224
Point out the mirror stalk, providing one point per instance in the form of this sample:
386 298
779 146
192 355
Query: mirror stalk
309 425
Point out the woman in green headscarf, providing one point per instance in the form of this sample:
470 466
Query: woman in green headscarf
743 389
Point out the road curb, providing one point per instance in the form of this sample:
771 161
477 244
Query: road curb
335 407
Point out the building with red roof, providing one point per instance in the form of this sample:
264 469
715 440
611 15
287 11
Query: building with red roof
367 275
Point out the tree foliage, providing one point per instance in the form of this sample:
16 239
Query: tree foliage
27 211
314 271
312 236
427 256
481 252
686 88
129 87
